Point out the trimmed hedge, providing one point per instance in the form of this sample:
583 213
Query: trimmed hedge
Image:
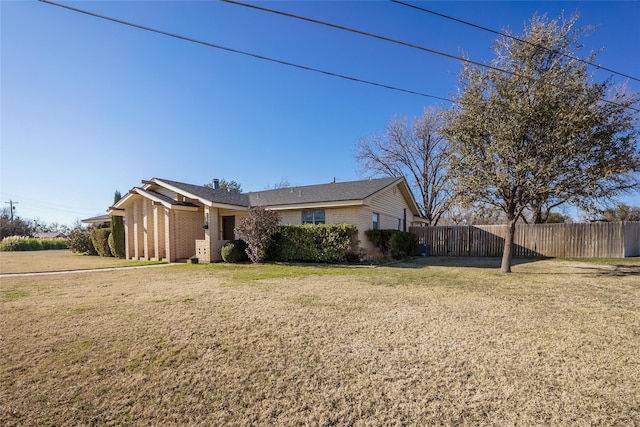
116 239
20 243
100 240
235 251
393 243
330 243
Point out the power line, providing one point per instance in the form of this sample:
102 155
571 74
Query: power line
241 52
375 36
442 15
304 67
410 45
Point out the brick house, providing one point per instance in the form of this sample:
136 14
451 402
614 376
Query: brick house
169 220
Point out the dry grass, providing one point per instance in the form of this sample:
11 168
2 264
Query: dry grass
438 342
59 260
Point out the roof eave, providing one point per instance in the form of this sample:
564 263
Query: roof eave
313 205
190 195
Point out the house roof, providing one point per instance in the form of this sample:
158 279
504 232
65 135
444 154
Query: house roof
49 235
321 193
331 194
97 219
206 193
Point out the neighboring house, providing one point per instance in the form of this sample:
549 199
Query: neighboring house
50 235
98 220
173 221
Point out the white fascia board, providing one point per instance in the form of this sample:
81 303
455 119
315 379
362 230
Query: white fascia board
123 201
155 199
181 191
408 194
152 197
316 205
226 206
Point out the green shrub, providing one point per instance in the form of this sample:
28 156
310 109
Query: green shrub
79 241
100 240
393 243
328 243
20 243
116 239
57 243
235 251
402 244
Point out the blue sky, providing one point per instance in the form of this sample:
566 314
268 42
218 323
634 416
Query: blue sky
89 106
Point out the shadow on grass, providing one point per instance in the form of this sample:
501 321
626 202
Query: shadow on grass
617 270
601 269
451 261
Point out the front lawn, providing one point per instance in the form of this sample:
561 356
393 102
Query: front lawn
435 341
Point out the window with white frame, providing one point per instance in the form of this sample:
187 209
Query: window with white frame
376 221
313 217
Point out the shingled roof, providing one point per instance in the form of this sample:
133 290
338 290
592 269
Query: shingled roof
334 192
207 193
321 193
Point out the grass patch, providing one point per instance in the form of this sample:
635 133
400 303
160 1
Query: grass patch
432 341
59 260
11 294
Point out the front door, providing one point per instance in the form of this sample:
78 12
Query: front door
228 227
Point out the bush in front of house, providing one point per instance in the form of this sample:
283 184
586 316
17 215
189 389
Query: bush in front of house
402 243
79 241
100 240
257 230
116 238
328 243
393 243
235 251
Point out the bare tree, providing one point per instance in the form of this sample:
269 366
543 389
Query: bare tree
416 150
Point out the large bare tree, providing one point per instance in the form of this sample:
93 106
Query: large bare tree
416 150
543 132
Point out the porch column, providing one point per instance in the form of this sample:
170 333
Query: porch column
169 241
158 232
215 234
128 234
148 226
138 232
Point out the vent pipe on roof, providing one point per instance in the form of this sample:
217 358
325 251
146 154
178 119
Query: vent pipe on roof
216 184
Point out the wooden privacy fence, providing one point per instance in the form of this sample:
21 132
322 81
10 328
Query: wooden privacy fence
593 240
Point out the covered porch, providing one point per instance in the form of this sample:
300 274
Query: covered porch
158 227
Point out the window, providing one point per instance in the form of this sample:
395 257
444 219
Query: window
313 217
376 221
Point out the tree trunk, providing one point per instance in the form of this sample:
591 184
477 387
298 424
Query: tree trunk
507 253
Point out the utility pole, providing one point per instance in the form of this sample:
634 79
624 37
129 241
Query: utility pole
11 208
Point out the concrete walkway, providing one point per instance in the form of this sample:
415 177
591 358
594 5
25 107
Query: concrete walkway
91 270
